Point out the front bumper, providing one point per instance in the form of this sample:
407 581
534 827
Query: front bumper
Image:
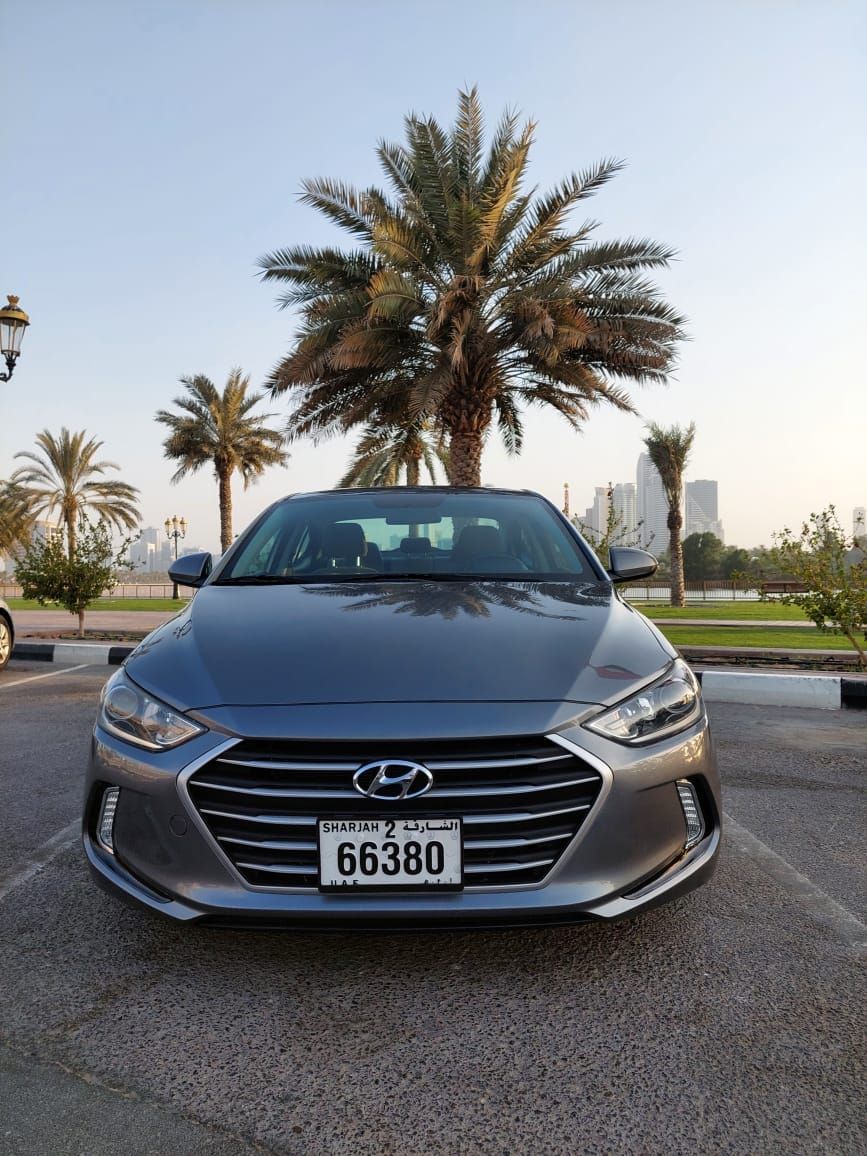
628 854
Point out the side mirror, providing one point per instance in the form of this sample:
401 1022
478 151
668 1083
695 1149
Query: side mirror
626 564
191 570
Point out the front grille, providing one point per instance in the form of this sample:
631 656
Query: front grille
521 801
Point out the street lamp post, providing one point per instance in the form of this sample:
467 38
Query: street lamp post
13 322
176 528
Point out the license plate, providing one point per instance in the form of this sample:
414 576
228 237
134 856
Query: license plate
375 854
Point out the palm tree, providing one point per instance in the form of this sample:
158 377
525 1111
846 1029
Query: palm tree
67 478
465 297
16 517
386 451
219 429
668 449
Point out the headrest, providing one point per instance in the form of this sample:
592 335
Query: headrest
344 540
479 540
415 546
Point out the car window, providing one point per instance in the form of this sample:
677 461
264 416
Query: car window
395 533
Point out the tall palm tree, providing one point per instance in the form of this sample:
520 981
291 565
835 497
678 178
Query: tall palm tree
466 297
66 477
219 429
668 449
387 451
16 517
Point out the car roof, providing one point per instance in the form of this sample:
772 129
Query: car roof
486 490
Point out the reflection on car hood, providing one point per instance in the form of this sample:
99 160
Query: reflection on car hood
401 641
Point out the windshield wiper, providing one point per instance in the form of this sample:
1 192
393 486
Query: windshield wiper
374 576
417 576
259 580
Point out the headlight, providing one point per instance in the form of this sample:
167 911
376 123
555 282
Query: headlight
125 710
665 707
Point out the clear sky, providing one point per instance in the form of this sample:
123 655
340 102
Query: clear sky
152 151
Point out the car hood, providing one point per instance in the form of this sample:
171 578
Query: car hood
404 641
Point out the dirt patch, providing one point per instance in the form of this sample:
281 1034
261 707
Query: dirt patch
89 635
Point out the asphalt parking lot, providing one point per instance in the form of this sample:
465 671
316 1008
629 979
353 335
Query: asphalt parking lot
730 1021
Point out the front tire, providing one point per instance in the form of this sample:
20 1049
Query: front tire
5 641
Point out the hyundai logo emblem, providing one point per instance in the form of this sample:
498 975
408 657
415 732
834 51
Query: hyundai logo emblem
392 779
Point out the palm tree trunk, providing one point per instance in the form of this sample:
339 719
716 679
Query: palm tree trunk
225 477
71 540
465 458
675 552
413 474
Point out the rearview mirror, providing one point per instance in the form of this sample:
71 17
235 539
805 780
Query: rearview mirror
626 564
191 570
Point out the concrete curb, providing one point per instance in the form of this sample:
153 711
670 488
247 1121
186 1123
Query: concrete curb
817 691
97 653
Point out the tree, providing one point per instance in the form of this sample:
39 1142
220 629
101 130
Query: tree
702 556
219 429
834 572
735 560
668 449
67 478
387 451
49 572
16 517
467 298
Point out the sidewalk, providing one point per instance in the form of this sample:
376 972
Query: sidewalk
32 623
762 623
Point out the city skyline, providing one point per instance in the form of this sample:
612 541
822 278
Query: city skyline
641 508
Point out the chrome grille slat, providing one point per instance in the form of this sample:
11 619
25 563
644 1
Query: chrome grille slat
275 869
278 792
272 820
276 765
436 793
497 868
492 764
271 844
510 844
522 816
469 820
246 798
431 764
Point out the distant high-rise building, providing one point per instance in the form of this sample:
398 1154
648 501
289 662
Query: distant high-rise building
42 530
599 510
625 502
146 553
652 506
701 515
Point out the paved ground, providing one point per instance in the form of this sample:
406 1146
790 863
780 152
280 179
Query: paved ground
731 1021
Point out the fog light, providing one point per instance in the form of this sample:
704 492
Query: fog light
691 812
105 826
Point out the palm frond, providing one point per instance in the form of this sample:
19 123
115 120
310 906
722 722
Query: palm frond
466 295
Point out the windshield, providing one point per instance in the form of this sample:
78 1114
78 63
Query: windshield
396 534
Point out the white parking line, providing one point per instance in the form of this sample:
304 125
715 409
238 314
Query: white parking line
36 677
42 857
825 909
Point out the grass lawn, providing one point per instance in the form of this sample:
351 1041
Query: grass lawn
745 611
108 604
758 636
